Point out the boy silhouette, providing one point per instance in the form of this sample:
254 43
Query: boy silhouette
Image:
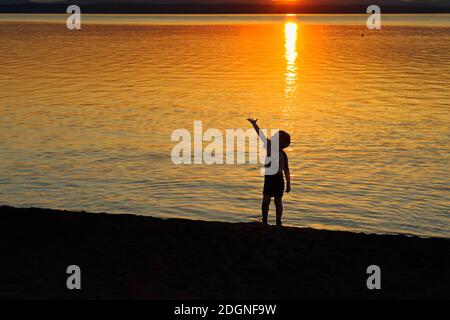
273 179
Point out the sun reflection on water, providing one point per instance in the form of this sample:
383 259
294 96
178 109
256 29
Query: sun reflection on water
291 72
290 34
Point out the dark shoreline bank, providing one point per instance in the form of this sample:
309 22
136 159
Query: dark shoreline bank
136 257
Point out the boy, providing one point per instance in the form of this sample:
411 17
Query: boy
274 183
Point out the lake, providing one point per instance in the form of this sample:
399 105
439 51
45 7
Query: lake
87 116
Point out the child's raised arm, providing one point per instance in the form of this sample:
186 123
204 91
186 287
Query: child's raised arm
258 131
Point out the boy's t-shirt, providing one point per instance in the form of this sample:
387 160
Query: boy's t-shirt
282 158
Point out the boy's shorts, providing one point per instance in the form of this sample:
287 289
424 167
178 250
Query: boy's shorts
274 185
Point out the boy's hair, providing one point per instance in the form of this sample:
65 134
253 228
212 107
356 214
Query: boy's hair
284 139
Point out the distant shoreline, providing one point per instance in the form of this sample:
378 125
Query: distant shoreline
218 8
137 257
149 19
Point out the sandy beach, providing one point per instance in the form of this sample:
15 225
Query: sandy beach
137 257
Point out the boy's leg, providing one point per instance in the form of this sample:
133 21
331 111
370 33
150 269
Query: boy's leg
279 208
265 208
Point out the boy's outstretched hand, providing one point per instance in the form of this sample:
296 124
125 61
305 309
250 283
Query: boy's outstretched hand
252 121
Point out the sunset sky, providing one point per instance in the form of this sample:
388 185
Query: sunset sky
306 2
226 6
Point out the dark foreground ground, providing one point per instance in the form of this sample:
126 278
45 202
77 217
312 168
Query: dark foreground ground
131 257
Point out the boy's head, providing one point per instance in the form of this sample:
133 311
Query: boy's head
284 139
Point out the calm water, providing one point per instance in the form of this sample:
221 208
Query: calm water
87 116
